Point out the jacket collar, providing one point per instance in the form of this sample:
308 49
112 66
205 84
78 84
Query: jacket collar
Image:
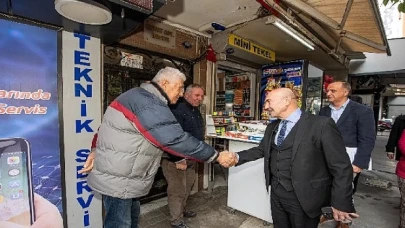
155 89
186 103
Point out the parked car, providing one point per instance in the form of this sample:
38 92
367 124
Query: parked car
384 125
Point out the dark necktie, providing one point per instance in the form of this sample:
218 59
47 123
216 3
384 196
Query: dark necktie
281 134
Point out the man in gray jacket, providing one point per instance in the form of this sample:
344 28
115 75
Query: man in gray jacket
137 127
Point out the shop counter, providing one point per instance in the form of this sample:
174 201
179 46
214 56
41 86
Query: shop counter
246 184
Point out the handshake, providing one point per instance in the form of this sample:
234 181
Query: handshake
227 159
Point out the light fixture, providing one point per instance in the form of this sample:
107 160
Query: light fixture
291 32
84 11
402 86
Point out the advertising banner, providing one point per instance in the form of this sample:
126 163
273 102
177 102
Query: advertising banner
288 74
81 118
29 120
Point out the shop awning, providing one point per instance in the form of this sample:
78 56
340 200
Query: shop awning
353 26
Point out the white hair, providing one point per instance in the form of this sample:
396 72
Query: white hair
170 74
192 86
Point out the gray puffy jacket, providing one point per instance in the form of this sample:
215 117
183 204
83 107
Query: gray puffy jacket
136 128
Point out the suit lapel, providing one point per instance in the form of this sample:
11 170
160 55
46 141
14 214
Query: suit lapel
329 112
345 113
301 127
272 132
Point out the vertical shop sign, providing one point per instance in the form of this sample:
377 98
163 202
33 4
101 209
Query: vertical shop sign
81 115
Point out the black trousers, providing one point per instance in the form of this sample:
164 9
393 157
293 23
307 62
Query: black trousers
287 211
355 182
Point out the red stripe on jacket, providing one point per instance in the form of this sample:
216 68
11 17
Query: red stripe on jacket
134 119
94 141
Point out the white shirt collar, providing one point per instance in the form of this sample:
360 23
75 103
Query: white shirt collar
341 107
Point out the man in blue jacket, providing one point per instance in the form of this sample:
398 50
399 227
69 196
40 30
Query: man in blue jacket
180 172
137 127
356 124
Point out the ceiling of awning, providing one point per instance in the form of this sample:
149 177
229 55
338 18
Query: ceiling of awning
243 18
363 20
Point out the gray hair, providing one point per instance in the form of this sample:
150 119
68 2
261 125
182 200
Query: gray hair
192 86
345 85
170 74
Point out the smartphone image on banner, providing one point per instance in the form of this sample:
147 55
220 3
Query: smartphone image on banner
16 191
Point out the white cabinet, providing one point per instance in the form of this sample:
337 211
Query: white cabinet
246 185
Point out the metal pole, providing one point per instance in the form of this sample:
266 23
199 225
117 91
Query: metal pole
376 9
314 13
363 40
320 31
346 14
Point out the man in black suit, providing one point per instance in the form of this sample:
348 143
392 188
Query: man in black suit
305 163
356 124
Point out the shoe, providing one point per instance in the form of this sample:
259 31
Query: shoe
189 214
180 225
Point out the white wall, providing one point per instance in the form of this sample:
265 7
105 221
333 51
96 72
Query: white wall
381 63
396 101
396 106
314 72
394 111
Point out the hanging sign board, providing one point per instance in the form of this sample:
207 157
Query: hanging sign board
160 34
251 47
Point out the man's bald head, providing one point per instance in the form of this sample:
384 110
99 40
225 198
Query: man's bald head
281 103
284 92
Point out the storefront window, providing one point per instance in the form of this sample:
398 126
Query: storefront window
314 90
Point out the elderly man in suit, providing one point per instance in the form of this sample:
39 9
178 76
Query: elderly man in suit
305 163
356 124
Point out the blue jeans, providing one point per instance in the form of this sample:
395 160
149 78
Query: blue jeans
121 213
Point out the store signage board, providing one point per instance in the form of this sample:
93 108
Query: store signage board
81 118
160 34
251 47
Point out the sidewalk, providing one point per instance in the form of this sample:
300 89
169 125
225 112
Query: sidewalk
377 201
211 210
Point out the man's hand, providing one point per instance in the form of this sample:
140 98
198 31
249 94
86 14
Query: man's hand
227 159
344 217
390 155
88 166
46 215
356 169
181 165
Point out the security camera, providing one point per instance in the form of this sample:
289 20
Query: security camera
187 45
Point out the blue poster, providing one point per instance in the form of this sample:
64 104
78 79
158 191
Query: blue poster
287 74
28 117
